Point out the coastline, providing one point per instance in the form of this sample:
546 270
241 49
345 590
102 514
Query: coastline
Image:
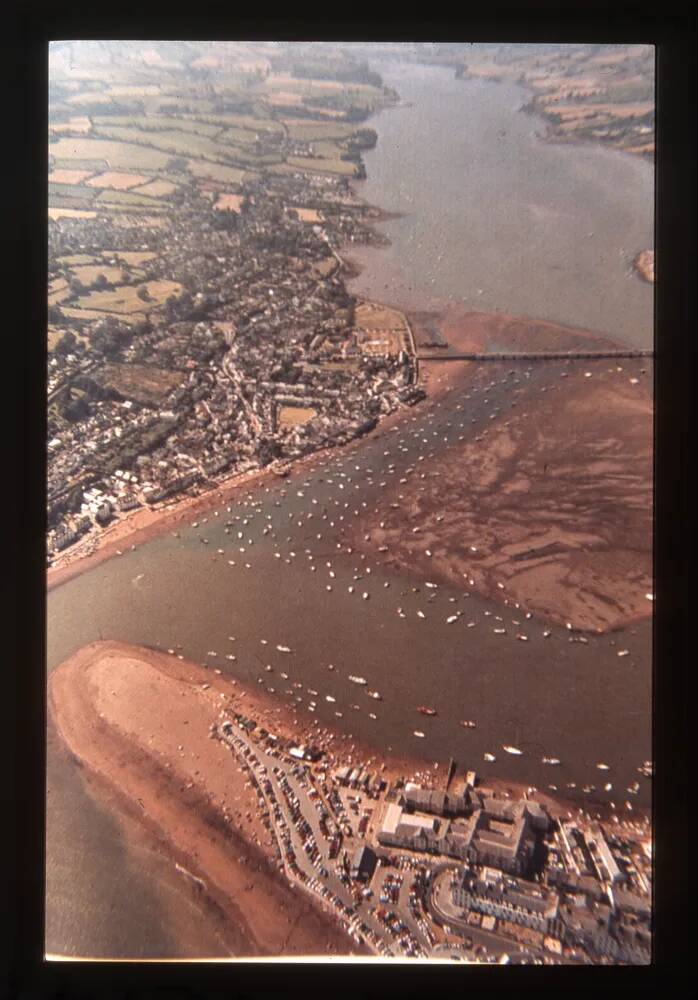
118 710
121 710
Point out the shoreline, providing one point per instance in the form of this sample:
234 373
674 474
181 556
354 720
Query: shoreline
103 700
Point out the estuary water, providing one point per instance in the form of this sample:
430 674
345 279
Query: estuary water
498 219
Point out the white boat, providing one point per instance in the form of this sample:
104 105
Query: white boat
499 631
283 649
211 652
419 733
420 614
468 724
357 680
546 635
603 767
489 756
623 652
372 716
523 638
328 697
513 750
451 619
550 760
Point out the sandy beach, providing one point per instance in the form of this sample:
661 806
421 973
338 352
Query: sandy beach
138 722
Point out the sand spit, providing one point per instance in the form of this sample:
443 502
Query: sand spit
138 721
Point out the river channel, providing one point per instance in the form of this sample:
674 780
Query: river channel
494 217
106 898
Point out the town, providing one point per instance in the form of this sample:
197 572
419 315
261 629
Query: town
476 875
219 336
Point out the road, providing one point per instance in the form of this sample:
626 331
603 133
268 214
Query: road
295 806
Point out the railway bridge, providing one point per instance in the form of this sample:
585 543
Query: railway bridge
536 356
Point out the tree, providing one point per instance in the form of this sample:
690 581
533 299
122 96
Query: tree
66 345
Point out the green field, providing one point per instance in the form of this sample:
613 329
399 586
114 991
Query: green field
145 122
219 172
125 298
321 130
314 165
117 154
71 191
111 197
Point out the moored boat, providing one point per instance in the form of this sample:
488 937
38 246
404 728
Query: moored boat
468 724
426 711
513 750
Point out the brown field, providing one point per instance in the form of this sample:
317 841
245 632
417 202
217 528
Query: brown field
374 316
309 215
58 291
140 382
156 189
68 176
125 299
380 342
117 180
291 416
70 213
231 202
